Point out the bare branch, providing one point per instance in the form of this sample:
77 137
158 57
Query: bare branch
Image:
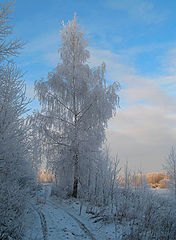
56 97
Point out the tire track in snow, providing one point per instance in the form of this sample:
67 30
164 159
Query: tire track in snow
81 224
43 222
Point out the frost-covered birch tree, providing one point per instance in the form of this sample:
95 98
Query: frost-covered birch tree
76 105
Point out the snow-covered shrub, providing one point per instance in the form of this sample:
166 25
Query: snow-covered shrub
141 213
146 216
61 192
15 169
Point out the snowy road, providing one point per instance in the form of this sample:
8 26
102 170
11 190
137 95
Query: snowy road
43 223
53 220
64 222
87 234
61 225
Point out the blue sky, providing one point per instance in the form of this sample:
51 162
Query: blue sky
137 41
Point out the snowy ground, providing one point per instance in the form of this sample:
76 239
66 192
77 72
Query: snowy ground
51 219
163 192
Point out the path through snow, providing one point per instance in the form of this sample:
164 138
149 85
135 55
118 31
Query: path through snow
61 221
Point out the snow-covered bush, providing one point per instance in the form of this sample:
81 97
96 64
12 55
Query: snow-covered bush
142 214
15 168
154 218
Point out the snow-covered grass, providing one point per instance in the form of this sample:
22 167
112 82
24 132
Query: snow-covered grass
142 214
146 215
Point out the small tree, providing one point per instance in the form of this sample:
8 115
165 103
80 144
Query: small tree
76 105
170 167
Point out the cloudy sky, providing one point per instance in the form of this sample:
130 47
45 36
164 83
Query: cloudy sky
137 41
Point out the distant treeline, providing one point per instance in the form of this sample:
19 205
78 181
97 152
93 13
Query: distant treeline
157 179
45 177
154 180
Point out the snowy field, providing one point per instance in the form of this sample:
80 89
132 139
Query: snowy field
163 192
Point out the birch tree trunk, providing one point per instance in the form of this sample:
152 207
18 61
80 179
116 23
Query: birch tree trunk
76 179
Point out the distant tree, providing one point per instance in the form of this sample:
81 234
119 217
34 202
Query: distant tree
170 168
76 105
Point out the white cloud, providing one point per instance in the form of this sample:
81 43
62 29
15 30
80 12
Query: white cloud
43 49
138 9
142 135
117 67
168 80
29 90
144 128
169 61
